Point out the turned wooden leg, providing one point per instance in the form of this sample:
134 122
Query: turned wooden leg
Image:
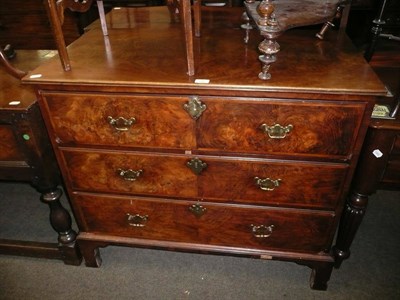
246 26
320 276
349 223
376 31
269 49
60 220
90 252
329 24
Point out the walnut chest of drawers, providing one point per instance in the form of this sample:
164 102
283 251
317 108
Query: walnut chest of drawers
151 158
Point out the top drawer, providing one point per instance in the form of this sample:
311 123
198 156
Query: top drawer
137 121
280 126
238 125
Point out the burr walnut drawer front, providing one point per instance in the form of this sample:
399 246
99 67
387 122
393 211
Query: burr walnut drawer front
137 121
280 126
227 179
207 223
207 123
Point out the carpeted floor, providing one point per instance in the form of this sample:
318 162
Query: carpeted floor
372 272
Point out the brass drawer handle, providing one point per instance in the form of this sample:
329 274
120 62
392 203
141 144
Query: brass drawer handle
276 131
196 165
197 209
120 123
129 175
262 231
137 220
267 184
194 107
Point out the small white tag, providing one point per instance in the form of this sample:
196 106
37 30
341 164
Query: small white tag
377 153
202 81
264 256
35 76
14 103
188 152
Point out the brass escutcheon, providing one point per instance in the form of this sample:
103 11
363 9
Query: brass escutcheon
267 184
196 165
262 231
197 209
137 220
129 174
194 107
120 123
276 131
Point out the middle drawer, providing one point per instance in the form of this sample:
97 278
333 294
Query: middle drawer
223 179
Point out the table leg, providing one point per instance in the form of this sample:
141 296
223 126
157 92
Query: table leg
60 220
187 26
351 220
197 17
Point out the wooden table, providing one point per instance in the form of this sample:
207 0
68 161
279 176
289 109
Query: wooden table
26 155
272 19
219 162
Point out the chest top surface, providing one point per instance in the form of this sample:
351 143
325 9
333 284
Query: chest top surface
145 49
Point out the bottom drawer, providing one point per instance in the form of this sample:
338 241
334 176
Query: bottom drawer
207 223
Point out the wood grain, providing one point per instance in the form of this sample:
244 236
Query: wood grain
303 231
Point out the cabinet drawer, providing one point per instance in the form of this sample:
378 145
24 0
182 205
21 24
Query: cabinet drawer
223 225
130 173
156 121
314 127
272 182
9 148
285 183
